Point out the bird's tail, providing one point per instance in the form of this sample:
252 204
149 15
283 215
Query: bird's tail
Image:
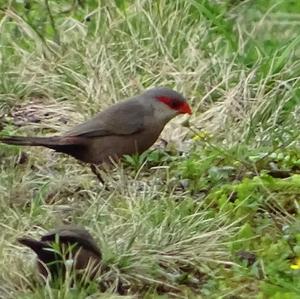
33 141
71 145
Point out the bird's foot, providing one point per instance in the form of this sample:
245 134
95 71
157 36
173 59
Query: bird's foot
99 177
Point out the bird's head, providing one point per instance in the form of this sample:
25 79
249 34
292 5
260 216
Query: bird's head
167 103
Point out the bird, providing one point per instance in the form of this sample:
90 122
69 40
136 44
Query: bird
128 127
66 243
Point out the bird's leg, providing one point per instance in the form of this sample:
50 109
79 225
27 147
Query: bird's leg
97 173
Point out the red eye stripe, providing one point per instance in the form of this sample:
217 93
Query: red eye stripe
173 104
179 106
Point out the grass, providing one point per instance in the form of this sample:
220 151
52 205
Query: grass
214 213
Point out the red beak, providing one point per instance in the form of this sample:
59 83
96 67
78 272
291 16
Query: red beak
185 108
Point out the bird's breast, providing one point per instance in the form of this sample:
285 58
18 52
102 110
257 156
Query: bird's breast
103 149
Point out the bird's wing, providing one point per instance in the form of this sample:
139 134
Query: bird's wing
124 118
35 245
72 234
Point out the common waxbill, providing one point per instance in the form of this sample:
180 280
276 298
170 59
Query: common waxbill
67 243
128 127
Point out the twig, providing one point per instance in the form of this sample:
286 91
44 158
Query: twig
52 22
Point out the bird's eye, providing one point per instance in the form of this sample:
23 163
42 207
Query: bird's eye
175 104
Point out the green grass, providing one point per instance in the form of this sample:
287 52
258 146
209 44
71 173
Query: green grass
182 219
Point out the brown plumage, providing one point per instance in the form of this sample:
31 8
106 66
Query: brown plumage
128 127
74 243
